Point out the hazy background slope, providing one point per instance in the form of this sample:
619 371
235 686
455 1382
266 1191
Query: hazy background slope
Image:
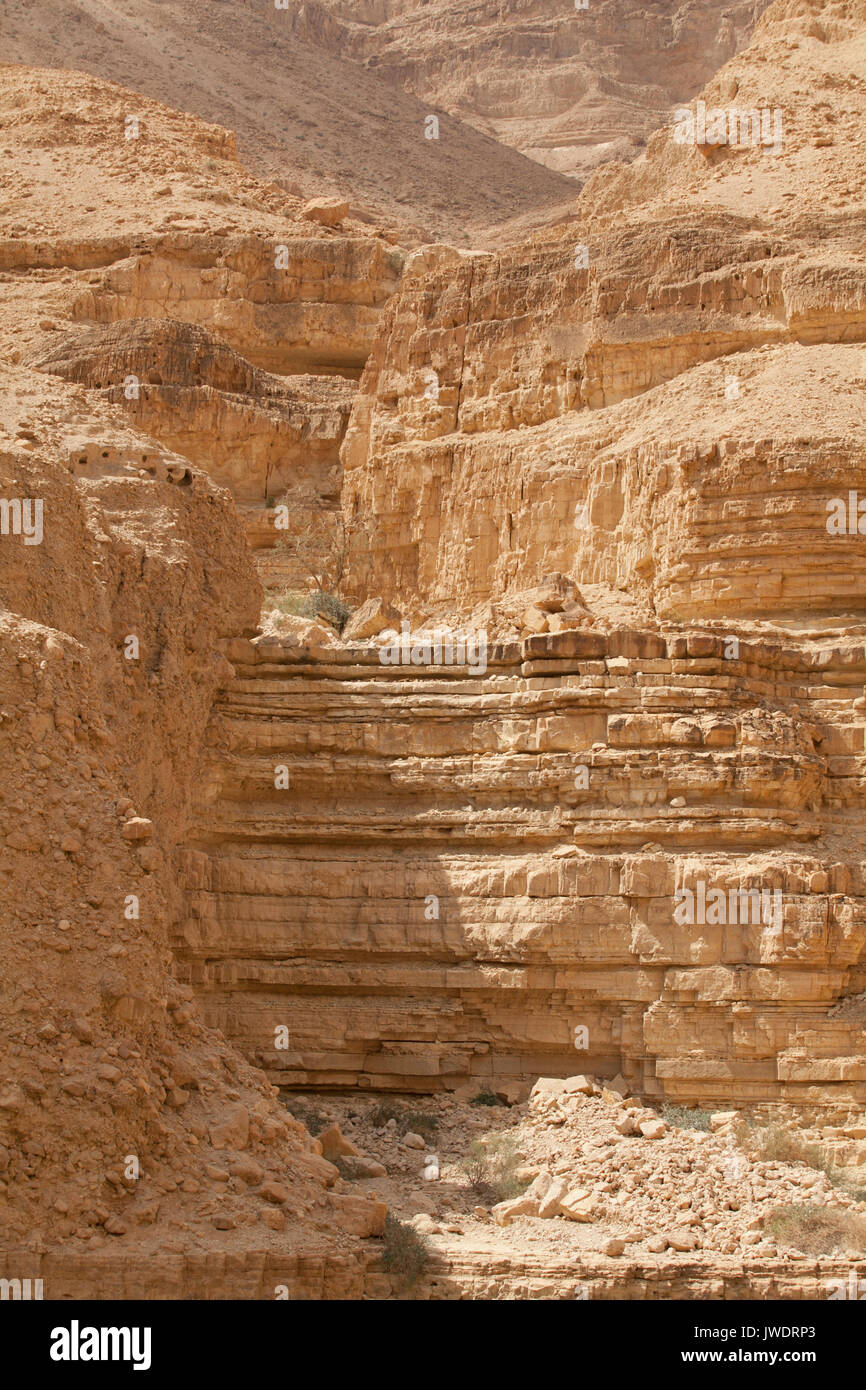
571 88
305 116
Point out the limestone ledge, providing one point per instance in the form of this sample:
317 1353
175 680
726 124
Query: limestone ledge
451 1274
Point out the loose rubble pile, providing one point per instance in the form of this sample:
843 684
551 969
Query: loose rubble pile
601 1173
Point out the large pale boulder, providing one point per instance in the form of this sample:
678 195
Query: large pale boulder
506 1212
358 1216
233 1131
578 1085
549 1206
577 1205
653 1129
328 212
373 617
335 1144
304 638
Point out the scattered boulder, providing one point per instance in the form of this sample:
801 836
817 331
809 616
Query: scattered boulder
328 212
577 1205
355 1169
137 828
506 1212
425 1224
373 617
533 620
273 1192
684 1240
653 1129
511 1092
233 1132
539 1185
555 592
358 1216
335 1144
721 1119
547 1086
247 1169
549 1203
578 1085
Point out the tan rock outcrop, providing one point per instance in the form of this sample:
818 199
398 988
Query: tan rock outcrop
584 826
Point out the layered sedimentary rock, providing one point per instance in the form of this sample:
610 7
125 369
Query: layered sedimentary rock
623 835
685 500
170 225
301 305
215 317
641 399
261 436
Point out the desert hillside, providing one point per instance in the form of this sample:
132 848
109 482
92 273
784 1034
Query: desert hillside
433 650
301 118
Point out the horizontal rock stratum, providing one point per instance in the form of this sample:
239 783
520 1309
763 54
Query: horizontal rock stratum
461 872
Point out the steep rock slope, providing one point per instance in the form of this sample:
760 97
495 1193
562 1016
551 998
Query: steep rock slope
140 1155
169 278
126 1122
523 454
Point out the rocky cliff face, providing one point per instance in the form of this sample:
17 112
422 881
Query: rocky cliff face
235 340
474 869
640 408
637 398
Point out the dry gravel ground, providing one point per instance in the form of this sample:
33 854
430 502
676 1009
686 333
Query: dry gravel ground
685 1191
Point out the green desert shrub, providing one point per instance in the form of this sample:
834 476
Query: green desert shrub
307 1114
422 1122
490 1167
485 1097
682 1117
775 1144
406 1252
297 604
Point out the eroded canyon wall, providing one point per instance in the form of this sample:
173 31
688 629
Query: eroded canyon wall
638 402
229 328
570 85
